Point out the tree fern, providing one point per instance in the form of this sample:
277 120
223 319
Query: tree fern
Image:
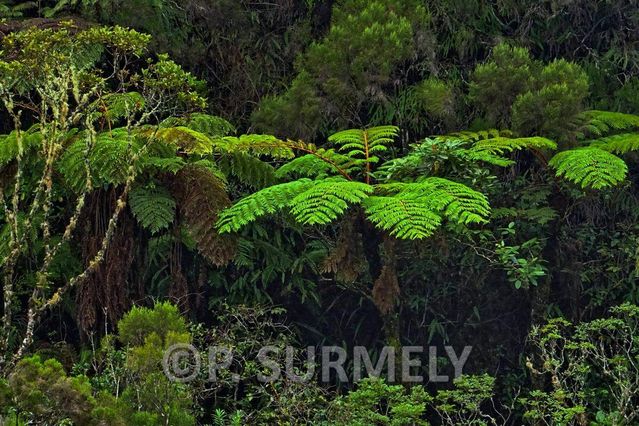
153 207
267 201
403 215
365 144
109 158
209 125
618 144
249 170
31 140
598 123
326 200
590 167
500 145
321 163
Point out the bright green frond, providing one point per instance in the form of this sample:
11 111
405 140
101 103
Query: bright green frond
416 210
618 144
456 201
153 207
601 122
321 163
210 125
590 167
31 140
327 199
267 201
363 143
404 215
500 145
469 136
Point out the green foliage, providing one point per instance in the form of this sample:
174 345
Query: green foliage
592 367
375 402
557 99
326 200
462 405
153 207
143 323
599 123
515 91
590 167
497 83
42 392
416 210
408 211
338 74
9 148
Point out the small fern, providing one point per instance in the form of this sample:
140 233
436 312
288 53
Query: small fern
153 207
590 167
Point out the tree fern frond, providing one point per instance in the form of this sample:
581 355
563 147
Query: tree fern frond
456 201
363 143
590 167
31 141
185 139
469 136
618 144
599 123
255 145
159 164
321 163
415 210
267 201
115 106
210 125
327 199
109 159
249 170
153 207
500 145
404 215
